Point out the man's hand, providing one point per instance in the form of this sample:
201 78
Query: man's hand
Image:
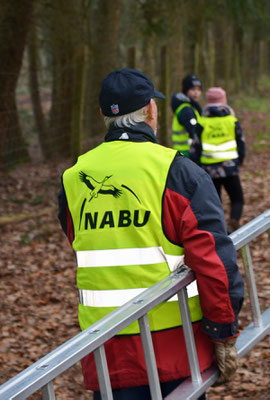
227 360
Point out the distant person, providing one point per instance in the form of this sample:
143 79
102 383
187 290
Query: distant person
222 150
132 210
187 111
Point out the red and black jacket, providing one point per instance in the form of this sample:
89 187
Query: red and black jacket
192 217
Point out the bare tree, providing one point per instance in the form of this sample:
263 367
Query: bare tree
33 69
103 52
62 44
15 17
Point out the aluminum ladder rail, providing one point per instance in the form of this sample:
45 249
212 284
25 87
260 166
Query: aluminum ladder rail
254 332
40 375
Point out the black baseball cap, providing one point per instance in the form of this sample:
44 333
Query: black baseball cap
126 90
189 82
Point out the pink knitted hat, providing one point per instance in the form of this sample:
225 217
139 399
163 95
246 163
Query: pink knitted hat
216 95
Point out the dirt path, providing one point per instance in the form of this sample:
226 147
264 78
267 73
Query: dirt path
253 377
38 289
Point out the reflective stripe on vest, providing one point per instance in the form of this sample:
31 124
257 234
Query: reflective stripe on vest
116 298
218 139
136 256
219 155
118 236
181 141
116 257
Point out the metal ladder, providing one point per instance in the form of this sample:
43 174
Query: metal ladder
40 375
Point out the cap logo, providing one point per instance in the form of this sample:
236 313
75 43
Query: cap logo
115 109
196 82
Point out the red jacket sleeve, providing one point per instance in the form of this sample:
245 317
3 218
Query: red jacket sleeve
193 218
64 215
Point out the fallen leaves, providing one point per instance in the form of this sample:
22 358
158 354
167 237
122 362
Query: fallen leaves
38 283
253 376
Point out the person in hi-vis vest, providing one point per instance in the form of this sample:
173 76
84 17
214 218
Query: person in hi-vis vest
134 211
222 150
187 111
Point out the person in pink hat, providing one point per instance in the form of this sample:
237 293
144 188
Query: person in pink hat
222 150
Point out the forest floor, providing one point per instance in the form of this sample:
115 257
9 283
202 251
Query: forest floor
37 271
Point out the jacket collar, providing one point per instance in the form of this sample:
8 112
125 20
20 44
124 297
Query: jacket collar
221 110
180 98
141 132
196 105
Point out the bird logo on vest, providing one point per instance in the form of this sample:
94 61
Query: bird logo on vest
101 188
97 187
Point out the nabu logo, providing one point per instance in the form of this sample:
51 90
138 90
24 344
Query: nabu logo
97 187
217 132
124 219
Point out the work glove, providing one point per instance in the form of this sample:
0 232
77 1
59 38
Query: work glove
227 359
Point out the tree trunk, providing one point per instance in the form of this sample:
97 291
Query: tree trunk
238 58
228 59
197 51
35 93
247 65
237 68
104 48
211 58
78 100
267 51
62 87
15 17
131 57
164 104
262 58
148 60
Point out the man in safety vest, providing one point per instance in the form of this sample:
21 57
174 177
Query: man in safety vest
131 208
222 150
187 113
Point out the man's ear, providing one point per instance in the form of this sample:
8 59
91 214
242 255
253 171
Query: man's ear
150 109
101 113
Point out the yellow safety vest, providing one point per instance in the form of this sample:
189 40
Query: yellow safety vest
115 202
180 137
218 139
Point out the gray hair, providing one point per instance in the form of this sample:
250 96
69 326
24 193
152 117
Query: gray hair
127 120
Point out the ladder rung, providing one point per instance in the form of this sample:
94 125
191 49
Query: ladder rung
190 390
150 359
252 335
48 392
103 373
248 338
189 337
